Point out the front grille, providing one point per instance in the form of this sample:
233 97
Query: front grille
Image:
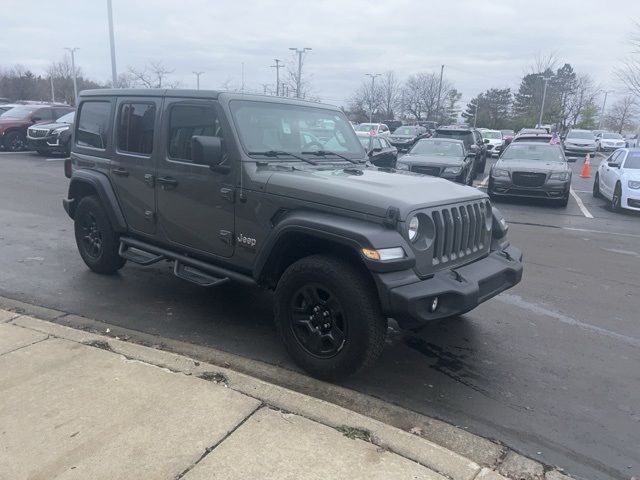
37 132
433 171
459 231
528 179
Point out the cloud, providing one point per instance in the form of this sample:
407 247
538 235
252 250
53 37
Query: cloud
481 44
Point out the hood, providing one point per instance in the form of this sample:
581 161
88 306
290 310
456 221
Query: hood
579 141
6 122
532 166
431 160
50 125
631 174
372 191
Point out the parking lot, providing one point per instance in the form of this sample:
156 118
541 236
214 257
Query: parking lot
550 368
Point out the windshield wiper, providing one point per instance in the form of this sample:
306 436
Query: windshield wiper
324 153
279 153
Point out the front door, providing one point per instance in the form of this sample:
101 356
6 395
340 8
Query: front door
134 161
611 173
195 205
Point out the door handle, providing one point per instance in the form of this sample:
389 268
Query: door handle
123 172
168 181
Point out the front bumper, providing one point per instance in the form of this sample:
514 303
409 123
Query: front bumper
458 290
574 151
49 144
551 189
408 143
610 148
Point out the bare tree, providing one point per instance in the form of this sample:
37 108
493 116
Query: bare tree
584 93
629 73
390 92
367 99
622 114
291 77
152 76
420 95
543 62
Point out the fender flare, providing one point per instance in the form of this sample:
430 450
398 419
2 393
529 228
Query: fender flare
100 183
352 233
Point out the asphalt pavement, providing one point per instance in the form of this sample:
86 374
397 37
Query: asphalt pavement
551 368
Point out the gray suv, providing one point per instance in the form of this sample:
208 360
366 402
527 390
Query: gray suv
279 194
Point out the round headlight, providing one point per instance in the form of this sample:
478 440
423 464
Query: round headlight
413 228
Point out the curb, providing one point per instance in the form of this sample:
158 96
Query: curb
411 445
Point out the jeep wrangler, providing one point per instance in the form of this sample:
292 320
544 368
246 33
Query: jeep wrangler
279 193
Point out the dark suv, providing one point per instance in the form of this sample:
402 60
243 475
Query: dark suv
14 122
473 142
232 187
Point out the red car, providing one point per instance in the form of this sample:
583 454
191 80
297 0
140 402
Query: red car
14 122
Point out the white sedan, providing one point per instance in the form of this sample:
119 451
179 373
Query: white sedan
618 179
372 129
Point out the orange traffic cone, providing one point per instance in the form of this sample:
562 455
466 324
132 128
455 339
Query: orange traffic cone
586 168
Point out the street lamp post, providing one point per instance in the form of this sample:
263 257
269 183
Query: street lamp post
197 74
114 73
73 69
544 97
373 82
277 66
300 52
604 104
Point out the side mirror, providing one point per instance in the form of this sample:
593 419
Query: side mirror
486 140
207 151
474 148
613 164
471 154
376 150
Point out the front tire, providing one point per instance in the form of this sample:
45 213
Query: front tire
596 187
616 199
14 142
329 317
97 242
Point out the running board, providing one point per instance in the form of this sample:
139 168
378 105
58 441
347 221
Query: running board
136 255
193 275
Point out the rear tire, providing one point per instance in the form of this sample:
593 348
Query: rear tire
329 317
97 242
14 142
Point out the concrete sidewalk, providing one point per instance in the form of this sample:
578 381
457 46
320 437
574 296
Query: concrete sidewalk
75 405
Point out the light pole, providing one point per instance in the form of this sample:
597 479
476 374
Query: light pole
604 104
277 66
475 114
112 45
197 74
439 92
544 97
373 82
73 69
300 52
53 95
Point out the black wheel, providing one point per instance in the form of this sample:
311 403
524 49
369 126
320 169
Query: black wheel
67 149
97 242
470 177
490 190
563 202
329 317
596 187
616 199
15 142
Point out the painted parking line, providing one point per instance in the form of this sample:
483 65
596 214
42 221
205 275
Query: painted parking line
54 159
581 206
16 153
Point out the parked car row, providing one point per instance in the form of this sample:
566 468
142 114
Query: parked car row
37 126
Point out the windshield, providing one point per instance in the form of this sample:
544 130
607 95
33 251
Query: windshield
633 161
613 136
542 152
492 135
19 112
437 148
405 131
266 126
584 135
365 127
68 118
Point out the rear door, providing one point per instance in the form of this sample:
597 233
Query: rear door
195 205
134 160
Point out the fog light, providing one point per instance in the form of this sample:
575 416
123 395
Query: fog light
434 304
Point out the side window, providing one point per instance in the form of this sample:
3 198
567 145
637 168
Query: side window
614 157
93 123
136 122
185 121
377 143
620 158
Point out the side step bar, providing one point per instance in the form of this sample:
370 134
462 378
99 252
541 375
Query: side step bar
199 270
196 276
138 256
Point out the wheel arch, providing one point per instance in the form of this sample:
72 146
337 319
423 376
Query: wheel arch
86 182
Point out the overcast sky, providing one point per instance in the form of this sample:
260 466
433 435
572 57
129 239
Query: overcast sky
483 44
